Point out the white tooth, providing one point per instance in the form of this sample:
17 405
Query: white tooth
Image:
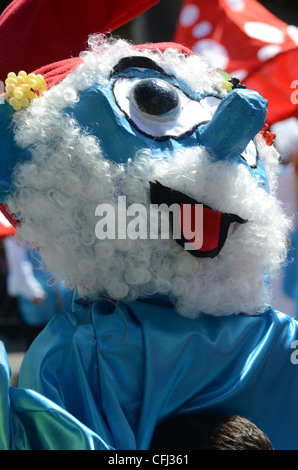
233 227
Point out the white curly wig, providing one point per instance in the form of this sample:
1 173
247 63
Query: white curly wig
56 194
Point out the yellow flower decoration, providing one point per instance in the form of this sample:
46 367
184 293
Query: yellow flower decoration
21 89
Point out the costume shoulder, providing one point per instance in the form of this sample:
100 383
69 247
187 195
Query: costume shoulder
24 413
227 368
76 362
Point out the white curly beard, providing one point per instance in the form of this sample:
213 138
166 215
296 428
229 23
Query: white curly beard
56 194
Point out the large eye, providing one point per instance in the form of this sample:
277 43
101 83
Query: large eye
159 109
250 154
155 99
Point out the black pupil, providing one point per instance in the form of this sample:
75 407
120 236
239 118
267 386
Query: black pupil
155 97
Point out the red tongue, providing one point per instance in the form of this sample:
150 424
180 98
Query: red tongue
203 231
210 232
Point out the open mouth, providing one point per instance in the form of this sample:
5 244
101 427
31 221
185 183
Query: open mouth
215 225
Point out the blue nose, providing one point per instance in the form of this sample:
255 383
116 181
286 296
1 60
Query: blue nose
239 117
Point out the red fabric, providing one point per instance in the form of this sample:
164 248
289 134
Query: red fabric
211 228
6 231
54 73
6 228
252 43
162 46
34 33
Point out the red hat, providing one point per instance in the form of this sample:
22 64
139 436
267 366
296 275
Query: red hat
34 33
46 36
54 73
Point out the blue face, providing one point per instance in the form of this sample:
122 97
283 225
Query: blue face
143 107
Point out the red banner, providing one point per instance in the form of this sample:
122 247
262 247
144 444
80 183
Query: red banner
246 40
34 33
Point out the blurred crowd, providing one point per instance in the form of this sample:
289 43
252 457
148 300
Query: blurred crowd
29 294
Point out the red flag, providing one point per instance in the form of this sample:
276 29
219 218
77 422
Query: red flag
246 40
34 33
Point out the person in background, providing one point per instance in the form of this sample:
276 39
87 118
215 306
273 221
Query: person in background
209 432
40 294
10 321
285 287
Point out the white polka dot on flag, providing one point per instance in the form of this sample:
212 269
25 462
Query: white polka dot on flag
249 42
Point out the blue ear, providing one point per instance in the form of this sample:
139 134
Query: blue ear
10 153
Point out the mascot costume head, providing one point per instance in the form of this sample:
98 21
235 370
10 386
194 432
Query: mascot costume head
145 178
148 125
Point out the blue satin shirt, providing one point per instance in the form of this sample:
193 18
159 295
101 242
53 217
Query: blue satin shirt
103 376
